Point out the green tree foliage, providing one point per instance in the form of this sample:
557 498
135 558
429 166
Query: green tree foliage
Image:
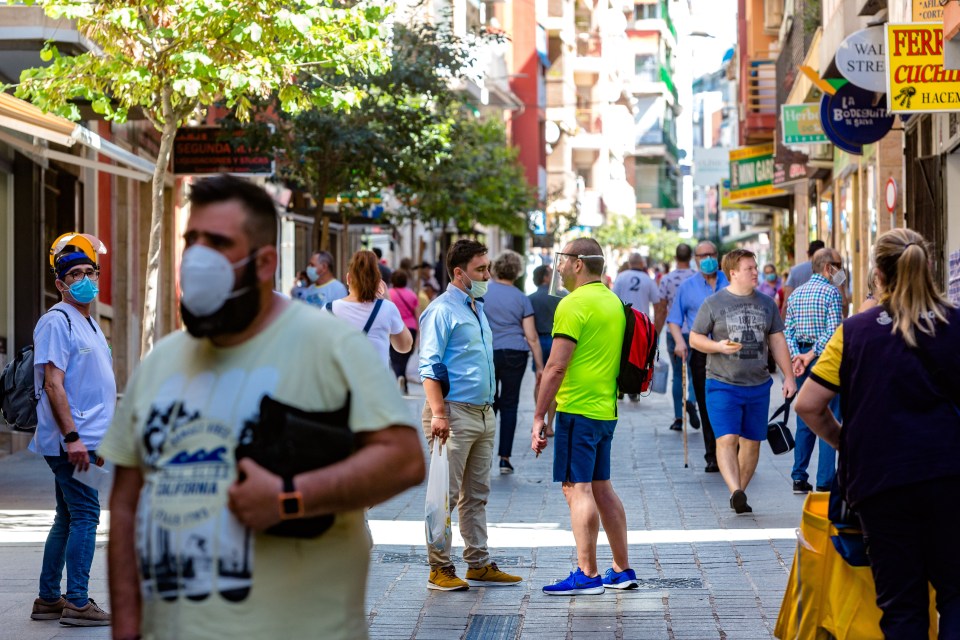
479 182
170 58
625 234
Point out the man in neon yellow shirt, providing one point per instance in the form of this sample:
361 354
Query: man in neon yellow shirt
582 374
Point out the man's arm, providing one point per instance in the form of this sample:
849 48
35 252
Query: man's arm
533 341
553 372
778 346
659 314
122 556
387 462
60 406
434 335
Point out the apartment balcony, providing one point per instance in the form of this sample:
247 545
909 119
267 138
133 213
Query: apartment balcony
656 82
589 58
559 15
758 100
589 133
23 33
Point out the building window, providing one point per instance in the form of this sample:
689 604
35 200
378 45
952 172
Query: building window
645 67
645 11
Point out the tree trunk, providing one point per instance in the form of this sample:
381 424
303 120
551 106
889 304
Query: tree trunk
149 322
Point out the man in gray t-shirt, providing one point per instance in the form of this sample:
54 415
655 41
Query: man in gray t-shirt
747 320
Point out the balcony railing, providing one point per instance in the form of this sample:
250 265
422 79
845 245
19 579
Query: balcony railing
761 95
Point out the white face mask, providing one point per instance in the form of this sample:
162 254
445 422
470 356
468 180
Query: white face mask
476 288
207 279
838 278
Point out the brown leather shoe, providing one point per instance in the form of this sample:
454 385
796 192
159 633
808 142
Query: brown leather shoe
43 610
89 615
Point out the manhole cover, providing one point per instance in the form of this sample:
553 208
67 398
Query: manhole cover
492 627
671 583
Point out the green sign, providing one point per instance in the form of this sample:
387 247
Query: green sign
801 124
751 173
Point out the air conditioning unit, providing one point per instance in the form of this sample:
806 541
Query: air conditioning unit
772 16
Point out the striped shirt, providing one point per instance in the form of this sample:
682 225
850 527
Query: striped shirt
814 310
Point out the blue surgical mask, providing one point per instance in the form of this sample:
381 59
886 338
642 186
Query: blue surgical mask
770 277
709 266
312 274
84 291
476 288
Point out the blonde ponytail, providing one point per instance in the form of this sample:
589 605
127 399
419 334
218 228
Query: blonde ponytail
910 295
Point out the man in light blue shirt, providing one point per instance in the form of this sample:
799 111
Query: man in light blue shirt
686 304
456 365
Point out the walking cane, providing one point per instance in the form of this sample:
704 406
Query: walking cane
684 373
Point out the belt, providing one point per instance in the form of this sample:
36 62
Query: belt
468 405
805 345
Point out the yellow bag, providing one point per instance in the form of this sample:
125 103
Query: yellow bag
826 597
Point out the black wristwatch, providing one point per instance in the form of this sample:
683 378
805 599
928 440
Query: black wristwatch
73 436
291 501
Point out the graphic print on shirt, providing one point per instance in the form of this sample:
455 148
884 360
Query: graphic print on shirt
747 324
189 544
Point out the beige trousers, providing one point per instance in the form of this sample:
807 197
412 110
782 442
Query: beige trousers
469 453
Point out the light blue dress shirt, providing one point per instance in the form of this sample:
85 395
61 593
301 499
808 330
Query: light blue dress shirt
690 296
453 336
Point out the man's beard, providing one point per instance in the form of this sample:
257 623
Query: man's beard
234 316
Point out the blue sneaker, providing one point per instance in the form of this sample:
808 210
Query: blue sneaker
577 584
626 579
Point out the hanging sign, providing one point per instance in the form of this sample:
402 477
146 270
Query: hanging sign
917 82
801 124
751 173
856 116
927 11
861 59
838 142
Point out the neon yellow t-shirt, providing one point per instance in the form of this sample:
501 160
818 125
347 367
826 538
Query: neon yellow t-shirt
203 574
592 316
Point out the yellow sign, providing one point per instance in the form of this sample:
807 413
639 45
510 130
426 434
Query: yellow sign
916 79
927 11
751 173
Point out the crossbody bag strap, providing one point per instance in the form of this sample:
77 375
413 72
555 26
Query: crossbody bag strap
373 315
784 409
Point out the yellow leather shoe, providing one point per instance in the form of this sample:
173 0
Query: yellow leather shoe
445 579
491 576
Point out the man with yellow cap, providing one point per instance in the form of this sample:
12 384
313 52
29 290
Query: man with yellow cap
73 378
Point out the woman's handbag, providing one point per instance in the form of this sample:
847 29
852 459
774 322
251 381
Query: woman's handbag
286 441
778 433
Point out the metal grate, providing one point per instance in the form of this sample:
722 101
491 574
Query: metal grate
421 558
671 583
492 627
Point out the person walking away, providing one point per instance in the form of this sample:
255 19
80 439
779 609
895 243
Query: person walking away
456 366
190 552
368 309
683 311
635 286
385 271
324 286
73 377
736 327
896 367
582 376
669 284
814 311
544 307
407 302
510 315
801 272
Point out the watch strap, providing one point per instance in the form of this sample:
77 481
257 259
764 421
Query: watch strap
291 501
73 436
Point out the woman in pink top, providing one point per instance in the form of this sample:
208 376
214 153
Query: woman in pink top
406 301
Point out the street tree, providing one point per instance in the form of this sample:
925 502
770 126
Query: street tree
624 234
171 58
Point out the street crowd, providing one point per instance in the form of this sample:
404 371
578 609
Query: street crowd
247 446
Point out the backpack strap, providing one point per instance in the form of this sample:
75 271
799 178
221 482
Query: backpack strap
373 315
329 307
65 315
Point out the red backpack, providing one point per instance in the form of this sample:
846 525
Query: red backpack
638 354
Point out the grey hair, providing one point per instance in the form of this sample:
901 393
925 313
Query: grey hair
508 265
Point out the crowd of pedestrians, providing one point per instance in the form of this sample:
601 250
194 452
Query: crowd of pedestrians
248 446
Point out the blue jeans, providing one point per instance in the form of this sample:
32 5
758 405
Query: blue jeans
546 344
509 366
678 376
72 537
804 439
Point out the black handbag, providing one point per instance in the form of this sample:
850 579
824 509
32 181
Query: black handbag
778 433
286 441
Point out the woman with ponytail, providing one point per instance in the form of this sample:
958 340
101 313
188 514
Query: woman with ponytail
896 369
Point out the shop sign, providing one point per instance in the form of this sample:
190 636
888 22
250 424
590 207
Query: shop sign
787 172
825 121
801 124
725 203
751 173
861 59
917 81
203 150
928 11
710 165
853 116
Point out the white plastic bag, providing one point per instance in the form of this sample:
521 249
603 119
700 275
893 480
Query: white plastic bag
437 508
96 477
659 382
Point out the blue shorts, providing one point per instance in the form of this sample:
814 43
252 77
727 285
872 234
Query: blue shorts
581 450
546 343
738 411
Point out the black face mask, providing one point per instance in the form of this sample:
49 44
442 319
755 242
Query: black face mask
235 315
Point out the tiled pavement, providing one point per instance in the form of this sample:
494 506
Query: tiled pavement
705 572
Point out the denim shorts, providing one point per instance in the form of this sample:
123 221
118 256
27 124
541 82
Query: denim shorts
581 448
738 411
546 343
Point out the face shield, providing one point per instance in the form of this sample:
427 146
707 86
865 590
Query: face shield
557 288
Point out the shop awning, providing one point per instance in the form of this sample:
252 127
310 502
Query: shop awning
22 117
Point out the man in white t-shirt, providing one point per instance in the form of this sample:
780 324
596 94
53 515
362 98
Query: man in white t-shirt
73 376
634 286
323 287
188 552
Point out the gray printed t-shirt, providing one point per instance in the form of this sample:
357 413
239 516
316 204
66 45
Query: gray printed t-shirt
746 319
